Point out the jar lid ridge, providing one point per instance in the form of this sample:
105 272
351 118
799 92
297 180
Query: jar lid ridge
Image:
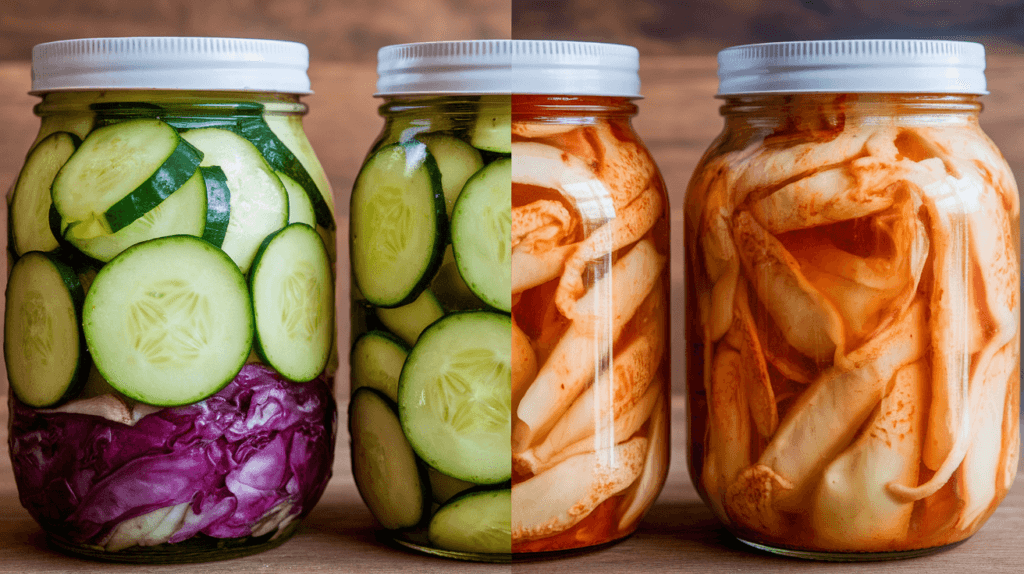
171 63
835 66
507 67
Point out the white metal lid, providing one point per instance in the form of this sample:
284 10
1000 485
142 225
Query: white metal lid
852 66
171 63
509 67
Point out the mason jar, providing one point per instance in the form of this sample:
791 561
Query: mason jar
509 248
169 325
852 307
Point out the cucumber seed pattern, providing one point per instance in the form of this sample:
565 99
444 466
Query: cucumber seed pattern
300 296
493 535
38 329
170 324
454 402
390 211
502 226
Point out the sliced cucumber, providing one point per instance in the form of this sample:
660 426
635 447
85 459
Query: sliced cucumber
293 302
78 123
443 487
67 251
259 201
184 212
45 352
398 227
450 288
376 362
402 127
386 472
455 395
477 521
300 210
213 115
482 236
457 161
492 130
408 321
122 171
281 158
108 113
30 200
218 204
169 321
288 127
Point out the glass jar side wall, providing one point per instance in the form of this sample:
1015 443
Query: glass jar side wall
430 359
576 176
852 310
591 397
101 435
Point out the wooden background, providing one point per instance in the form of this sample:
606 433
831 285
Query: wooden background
677 120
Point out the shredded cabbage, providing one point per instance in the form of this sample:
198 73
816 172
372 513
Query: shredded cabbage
252 458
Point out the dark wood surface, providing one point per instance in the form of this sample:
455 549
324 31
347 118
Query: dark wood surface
677 120
350 30
703 27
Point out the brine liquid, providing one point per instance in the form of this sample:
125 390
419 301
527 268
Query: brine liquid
852 335
590 414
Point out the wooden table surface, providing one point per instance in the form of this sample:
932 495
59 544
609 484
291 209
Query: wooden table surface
678 119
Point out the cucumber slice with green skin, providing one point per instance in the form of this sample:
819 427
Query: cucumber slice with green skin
65 249
402 127
30 200
288 127
443 487
45 351
259 201
169 321
293 302
184 212
408 321
300 210
277 154
398 227
455 393
213 115
482 232
450 288
390 480
218 204
109 113
78 123
457 161
477 521
122 171
492 130
376 362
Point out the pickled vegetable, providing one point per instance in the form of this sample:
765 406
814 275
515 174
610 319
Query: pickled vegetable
429 240
157 246
856 330
589 284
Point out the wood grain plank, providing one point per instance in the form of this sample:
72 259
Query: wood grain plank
352 30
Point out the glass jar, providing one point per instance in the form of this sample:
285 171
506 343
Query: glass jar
510 361
169 326
852 304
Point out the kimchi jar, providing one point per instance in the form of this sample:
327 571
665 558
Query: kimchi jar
509 242
852 303
169 324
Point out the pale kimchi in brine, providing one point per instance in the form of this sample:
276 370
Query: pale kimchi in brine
590 288
853 322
